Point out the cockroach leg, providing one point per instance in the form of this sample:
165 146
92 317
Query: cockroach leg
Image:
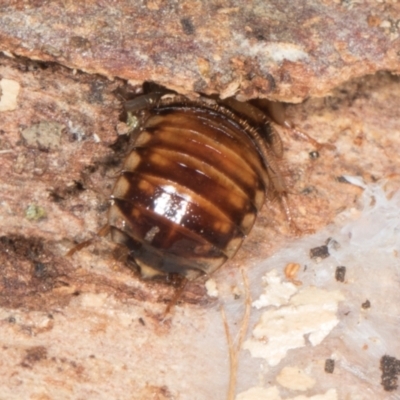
276 113
306 136
143 102
181 285
104 231
289 217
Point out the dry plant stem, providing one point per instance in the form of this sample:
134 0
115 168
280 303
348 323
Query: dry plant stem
232 358
234 350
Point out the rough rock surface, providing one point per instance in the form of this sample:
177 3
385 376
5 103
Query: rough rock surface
277 49
87 326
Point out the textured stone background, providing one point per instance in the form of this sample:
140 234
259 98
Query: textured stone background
88 327
278 49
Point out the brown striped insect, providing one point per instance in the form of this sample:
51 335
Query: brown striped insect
193 182
195 177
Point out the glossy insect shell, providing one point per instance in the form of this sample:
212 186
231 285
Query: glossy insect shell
190 188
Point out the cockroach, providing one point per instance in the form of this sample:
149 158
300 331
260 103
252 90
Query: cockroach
196 174
193 182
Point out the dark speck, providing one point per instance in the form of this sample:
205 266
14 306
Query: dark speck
341 179
96 92
307 190
390 368
34 355
340 274
40 270
271 81
55 197
79 186
366 304
79 42
319 253
187 26
329 366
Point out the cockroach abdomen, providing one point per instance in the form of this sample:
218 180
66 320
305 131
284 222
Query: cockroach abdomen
191 186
